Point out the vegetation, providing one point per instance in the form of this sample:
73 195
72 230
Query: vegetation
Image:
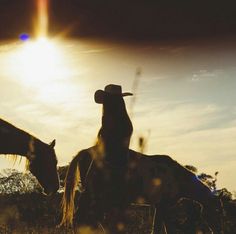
24 209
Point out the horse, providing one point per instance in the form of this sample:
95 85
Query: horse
109 176
41 157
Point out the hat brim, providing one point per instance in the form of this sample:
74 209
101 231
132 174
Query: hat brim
99 96
126 94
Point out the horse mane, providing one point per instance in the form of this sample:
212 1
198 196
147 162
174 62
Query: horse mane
6 128
71 180
76 178
14 158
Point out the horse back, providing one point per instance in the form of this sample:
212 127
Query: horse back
162 177
176 180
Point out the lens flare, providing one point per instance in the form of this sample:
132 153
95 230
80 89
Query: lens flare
24 37
41 62
42 18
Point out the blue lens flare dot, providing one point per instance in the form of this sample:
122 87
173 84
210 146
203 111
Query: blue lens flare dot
24 37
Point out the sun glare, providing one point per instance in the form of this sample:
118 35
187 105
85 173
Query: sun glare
41 64
39 61
36 62
44 66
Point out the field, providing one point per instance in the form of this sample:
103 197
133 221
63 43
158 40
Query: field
35 213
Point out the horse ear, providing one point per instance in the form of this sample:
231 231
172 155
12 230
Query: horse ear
53 143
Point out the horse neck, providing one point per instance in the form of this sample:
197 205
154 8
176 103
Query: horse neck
16 141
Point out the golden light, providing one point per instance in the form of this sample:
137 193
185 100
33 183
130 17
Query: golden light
42 64
157 182
38 62
41 26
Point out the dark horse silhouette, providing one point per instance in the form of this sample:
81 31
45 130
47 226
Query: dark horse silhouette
42 161
111 176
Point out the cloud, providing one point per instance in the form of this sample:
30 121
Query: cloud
206 74
191 121
202 135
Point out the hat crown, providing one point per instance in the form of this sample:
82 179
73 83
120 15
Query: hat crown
113 89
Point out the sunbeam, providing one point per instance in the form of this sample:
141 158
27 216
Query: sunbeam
41 27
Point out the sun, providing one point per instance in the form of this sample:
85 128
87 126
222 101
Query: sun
37 62
42 63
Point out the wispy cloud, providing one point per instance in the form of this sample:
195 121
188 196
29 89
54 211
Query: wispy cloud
194 122
192 133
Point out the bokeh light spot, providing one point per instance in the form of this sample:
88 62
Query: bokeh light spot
24 37
156 182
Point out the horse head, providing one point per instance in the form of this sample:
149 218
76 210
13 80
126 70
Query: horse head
43 165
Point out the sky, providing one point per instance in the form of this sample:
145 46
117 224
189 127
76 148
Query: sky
184 104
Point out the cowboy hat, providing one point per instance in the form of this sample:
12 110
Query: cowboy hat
109 89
